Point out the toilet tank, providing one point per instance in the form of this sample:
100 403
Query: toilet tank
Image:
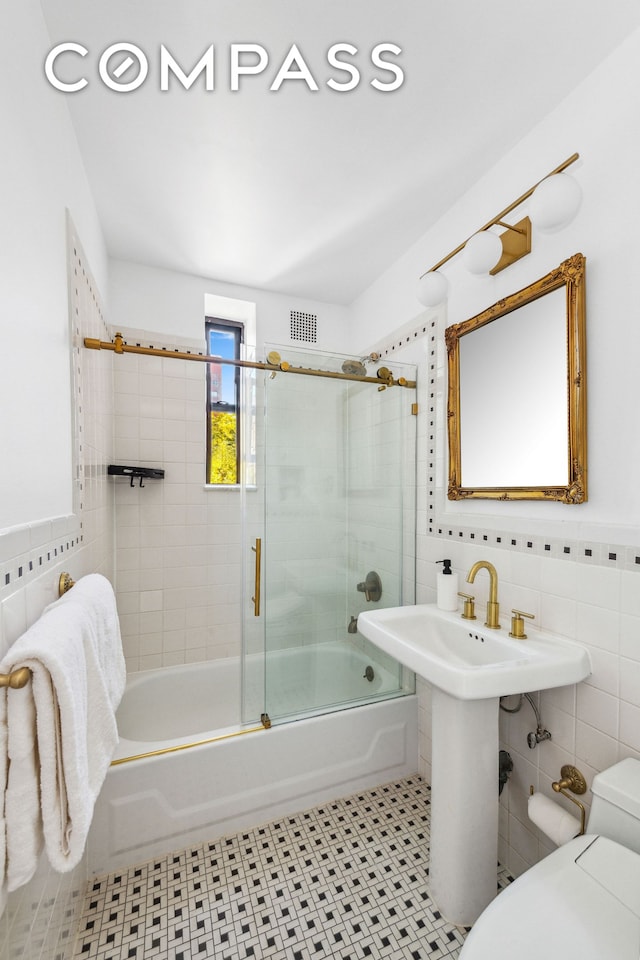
615 810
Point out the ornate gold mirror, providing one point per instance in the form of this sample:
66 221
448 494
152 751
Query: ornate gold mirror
517 394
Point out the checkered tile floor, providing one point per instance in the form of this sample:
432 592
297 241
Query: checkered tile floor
346 880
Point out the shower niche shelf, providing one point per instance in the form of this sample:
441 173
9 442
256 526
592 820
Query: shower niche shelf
136 473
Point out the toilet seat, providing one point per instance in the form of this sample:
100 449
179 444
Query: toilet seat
586 895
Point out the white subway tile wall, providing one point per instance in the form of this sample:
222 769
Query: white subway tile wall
180 543
178 557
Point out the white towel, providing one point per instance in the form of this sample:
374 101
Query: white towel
58 765
4 768
22 802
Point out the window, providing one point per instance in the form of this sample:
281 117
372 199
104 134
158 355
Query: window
223 402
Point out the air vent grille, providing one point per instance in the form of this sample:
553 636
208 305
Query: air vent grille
304 326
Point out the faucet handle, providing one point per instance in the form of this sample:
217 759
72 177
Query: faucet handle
371 587
469 611
517 624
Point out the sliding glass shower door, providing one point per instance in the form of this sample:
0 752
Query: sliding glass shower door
338 535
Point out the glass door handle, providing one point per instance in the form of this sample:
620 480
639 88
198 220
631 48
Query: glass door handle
257 549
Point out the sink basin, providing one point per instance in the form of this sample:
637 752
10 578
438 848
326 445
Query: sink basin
470 661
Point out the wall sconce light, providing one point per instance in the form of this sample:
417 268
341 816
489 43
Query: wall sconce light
554 202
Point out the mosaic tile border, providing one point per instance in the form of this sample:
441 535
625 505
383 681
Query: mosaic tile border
30 550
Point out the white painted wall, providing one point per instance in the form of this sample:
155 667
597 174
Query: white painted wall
173 304
590 593
595 121
41 173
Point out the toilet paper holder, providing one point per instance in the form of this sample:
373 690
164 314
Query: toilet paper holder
572 780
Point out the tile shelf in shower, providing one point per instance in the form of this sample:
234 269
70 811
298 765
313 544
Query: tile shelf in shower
135 473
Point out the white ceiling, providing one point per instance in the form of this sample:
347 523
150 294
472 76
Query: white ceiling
313 193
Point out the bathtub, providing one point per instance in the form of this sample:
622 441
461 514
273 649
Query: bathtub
199 773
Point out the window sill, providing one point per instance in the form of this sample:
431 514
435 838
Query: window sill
228 487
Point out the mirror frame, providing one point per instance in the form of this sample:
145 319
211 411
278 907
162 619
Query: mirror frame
571 275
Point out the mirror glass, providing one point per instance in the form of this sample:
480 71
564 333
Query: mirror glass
517 394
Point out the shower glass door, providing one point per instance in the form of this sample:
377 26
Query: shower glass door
339 506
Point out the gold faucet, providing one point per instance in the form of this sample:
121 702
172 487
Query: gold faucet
493 607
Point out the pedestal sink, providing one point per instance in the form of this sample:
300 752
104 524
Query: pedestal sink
470 667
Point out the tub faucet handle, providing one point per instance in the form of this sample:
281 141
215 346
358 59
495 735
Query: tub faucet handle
371 587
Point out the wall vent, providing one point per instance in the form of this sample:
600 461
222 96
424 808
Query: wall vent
304 326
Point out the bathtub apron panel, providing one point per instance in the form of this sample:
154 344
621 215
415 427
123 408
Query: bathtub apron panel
159 804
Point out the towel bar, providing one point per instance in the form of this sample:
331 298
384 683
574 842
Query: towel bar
20 677
15 679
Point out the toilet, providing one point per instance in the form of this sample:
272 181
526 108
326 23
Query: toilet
584 897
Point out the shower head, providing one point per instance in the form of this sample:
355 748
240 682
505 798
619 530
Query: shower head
354 368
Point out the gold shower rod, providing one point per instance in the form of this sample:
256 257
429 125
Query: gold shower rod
384 377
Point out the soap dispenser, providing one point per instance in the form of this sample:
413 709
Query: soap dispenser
447 587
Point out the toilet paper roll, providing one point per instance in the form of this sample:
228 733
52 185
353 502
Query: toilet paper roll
556 823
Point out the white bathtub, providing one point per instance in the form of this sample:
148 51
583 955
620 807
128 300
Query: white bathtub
187 793
171 706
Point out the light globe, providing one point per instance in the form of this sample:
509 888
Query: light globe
481 252
433 288
555 202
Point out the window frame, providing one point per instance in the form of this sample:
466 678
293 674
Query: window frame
237 328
